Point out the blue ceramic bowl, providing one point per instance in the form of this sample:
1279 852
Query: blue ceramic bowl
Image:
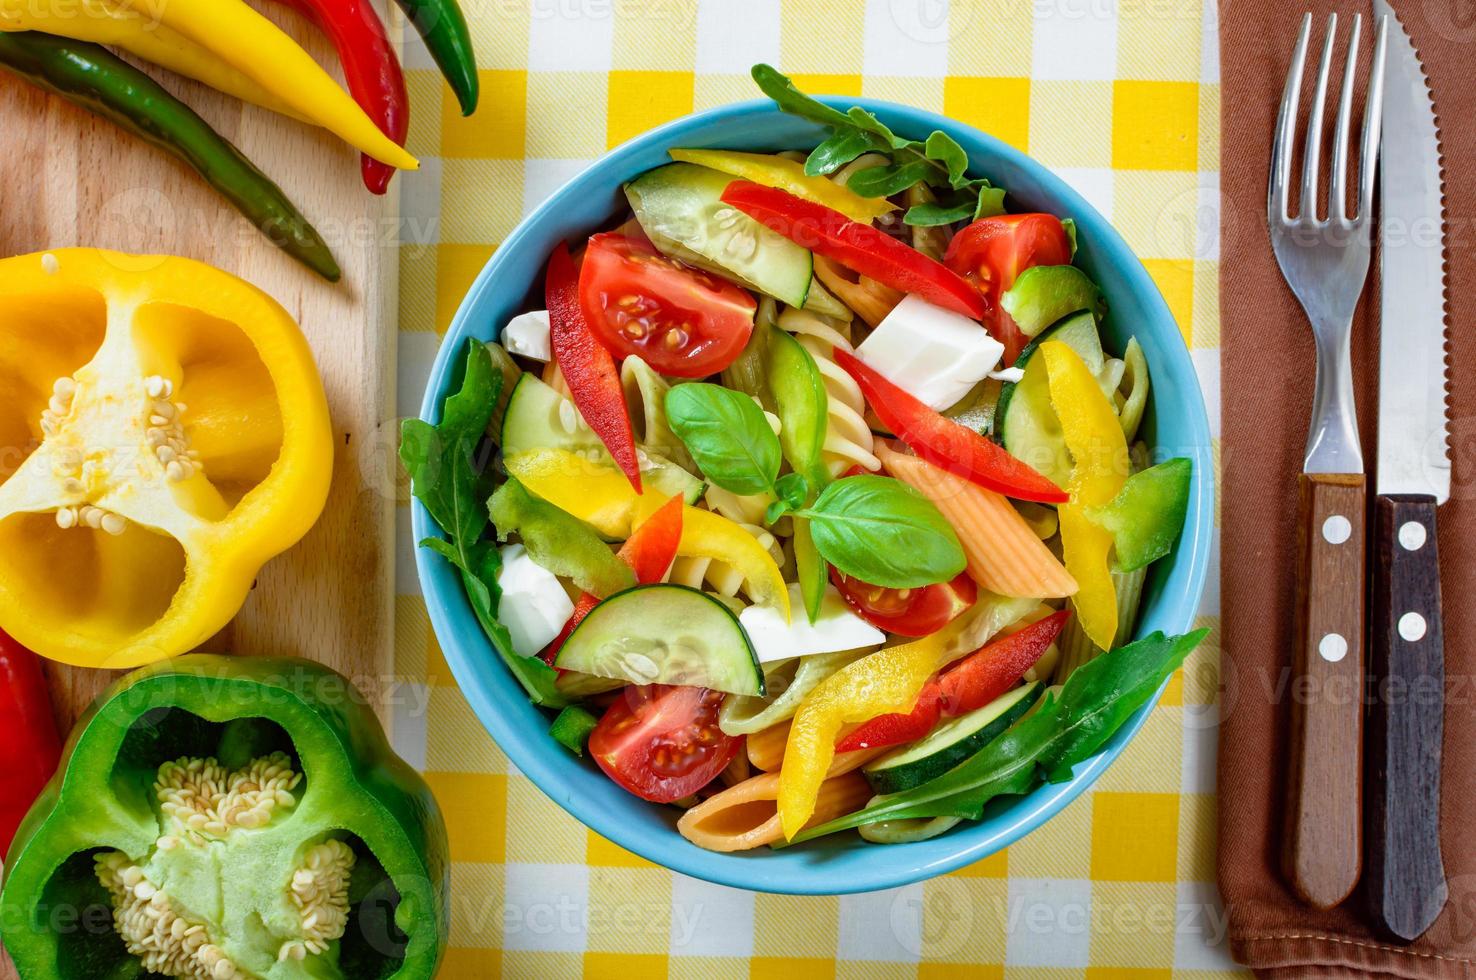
512 281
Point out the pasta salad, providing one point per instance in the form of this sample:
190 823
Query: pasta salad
811 499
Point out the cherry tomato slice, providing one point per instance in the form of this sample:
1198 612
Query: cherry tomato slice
681 321
907 612
663 743
992 251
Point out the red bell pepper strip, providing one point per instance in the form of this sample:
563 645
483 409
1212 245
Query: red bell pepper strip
587 365
944 442
370 68
860 248
29 745
969 684
648 551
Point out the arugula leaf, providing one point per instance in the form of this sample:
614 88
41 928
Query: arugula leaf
447 476
882 531
938 161
727 434
1067 729
558 540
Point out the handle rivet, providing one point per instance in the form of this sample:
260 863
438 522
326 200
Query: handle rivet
1333 648
1412 626
1411 535
1336 529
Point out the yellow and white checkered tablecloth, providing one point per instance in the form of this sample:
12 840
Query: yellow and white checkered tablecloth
1121 98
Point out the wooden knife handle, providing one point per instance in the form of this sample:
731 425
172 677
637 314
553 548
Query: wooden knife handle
1406 876
1322 851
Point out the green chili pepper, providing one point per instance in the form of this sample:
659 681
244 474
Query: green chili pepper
102 83
229 816
442 26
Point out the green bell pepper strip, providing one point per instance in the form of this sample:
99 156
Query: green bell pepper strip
441 24
102 83
105 810
572 727
799 393
1147 514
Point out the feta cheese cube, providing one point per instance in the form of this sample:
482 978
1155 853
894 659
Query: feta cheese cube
934 354
534 606
527 335
836 628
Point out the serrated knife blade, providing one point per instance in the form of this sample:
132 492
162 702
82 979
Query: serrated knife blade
1406 873
1412 454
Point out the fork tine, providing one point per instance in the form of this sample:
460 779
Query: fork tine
1337 205
1286 128
1312 155
1373 116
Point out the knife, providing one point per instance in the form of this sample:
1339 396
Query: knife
1406 876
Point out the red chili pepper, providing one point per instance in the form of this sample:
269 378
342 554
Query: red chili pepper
29 746
648 551
587 365
944 442
860 248
970 683
370 68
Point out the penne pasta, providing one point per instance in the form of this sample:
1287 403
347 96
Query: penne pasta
1004 553
867 298
766 748
746 816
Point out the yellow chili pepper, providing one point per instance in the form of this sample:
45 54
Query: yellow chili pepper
242 43
173 435
600 495
789 175
877 684
1100 467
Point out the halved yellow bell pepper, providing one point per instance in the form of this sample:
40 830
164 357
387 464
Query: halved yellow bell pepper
789 175
252 57
1100 467
170 435
877 684
600 495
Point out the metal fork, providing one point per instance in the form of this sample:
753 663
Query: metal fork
1325 261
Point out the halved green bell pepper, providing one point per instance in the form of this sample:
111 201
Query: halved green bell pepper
229 817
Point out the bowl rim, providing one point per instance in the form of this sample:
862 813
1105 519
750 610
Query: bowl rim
1029 811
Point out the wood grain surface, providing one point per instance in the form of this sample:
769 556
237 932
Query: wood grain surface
68 178
1322 853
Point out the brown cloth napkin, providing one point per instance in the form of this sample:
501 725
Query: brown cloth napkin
1267 363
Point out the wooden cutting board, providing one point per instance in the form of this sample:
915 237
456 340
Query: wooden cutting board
70 178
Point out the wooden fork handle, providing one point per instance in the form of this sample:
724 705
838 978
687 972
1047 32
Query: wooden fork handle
1322 853
1406 876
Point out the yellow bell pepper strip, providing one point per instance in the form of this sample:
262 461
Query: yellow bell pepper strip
239 38
174 436
709 535
1100 467
789 175
885 682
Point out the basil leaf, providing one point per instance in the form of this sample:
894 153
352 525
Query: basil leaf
882 531
727 434
452 482
792 491
1095 701
991 203
1070 227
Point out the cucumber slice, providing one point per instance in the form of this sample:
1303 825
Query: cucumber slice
680 208
1025 419
536 419
665 634
950 743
